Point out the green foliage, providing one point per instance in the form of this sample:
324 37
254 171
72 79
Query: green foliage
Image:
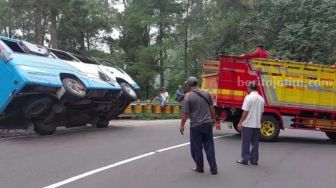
148 37
151 116
82 21
302 30
161 42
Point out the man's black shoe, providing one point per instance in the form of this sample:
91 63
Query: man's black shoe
214 173
198 170
254 163
242 162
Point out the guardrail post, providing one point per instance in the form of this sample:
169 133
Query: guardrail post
157 109
128 109
138 108
149 108
167 109
176 109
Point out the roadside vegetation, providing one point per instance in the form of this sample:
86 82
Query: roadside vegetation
161 42
151 116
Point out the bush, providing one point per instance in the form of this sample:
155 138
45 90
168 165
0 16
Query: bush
150 116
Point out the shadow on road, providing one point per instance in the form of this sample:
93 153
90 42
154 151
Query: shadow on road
288 139
63 133
304 140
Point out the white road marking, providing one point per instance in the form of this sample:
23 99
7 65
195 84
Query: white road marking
89 173
170 148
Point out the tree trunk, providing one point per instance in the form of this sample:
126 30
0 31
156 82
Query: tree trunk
38 26
160 44
53 28
186 41
88 42
81 42
10 20
161 56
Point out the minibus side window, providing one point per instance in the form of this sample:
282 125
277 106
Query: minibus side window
13 46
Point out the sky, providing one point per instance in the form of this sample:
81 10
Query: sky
119 6
115 33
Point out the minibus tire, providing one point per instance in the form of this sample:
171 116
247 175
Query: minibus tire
43 129
70 85
102 124
129 93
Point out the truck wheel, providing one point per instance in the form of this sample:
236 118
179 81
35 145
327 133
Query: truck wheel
102 124
331 136
235 122
42 128
270 128
74 87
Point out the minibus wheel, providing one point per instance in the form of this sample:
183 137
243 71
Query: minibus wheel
43 128
128 92
102 124
74 87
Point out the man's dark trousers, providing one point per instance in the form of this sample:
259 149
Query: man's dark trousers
250 137
202 137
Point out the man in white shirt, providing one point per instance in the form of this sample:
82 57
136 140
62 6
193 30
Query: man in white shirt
249 125
164 96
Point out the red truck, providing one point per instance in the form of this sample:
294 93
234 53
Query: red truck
297 95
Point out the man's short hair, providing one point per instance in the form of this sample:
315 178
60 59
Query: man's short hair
260 46
253 86
192 81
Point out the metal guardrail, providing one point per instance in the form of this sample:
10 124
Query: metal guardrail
154 108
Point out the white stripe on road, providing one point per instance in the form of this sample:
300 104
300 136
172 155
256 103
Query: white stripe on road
86 174
98 170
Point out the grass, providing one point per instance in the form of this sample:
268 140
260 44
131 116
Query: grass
151 116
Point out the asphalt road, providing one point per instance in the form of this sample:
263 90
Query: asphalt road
299 159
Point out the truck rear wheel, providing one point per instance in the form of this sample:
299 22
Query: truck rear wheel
331 136
235 123
270 128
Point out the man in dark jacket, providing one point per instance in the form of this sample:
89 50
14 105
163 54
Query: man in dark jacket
179 94
198 106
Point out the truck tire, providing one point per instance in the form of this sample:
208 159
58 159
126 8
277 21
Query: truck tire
74 88
331 136
235 122
41 128
270 128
